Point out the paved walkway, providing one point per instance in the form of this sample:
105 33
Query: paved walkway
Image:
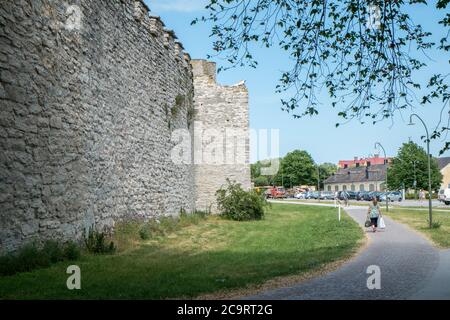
410 268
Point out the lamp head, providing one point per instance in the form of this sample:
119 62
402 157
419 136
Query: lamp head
411 123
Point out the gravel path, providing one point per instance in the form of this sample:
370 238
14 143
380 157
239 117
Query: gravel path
407 263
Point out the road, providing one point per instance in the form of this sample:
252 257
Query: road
410 268
406 203
423 203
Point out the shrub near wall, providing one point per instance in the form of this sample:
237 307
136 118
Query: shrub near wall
235 203
31 257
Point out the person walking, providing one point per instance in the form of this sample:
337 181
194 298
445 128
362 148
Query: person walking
374 213
345 198
421 195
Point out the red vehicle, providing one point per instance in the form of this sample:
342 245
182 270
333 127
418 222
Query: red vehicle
277 192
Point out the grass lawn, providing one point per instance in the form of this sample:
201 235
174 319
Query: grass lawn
418 219
213 254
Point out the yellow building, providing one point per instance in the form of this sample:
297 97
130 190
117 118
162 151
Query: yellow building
444 166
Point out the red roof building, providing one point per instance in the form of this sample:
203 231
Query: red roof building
362 162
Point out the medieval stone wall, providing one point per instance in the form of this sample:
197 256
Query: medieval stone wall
221 143
90 92
93 95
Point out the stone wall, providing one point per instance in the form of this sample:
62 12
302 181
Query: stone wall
221 142
90 92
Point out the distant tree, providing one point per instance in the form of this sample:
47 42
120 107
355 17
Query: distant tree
401 171
297 168
261 181
257 178
255 169
326 170
368 55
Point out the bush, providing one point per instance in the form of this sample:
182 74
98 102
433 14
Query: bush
71 251
53 250
237 204
7 265
96 242
144 232
30 257
261 181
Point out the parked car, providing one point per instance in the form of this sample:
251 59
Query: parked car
444 196
351 195
290 193
383 195
314 195
369 196
341 195
396 196
392 196
330 196
441 195
300 195
326 195
360 195
377 194
277 193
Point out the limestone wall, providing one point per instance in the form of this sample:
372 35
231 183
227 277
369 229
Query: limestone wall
221 143
90 92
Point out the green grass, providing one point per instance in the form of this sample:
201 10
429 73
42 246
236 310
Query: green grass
418 220
212 254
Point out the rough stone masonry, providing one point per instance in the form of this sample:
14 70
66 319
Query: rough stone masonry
222 120
91 92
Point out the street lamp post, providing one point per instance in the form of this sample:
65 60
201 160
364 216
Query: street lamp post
430 213
318 178
386 182
318 182
415 180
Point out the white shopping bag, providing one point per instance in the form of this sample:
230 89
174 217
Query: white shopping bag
381 224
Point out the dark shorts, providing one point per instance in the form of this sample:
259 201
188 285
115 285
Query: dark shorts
374 222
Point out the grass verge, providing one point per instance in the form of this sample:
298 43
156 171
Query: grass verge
210 255
418 220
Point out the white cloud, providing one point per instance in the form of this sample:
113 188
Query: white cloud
176 5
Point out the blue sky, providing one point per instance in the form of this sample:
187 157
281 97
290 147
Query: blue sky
318 135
